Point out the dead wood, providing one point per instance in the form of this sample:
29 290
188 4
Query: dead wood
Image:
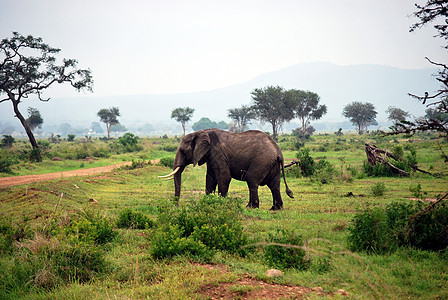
376 155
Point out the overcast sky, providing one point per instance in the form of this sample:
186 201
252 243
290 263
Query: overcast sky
172 46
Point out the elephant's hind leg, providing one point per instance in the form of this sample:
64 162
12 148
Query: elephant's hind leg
276 196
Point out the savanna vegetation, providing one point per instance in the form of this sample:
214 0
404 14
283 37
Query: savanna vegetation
351 227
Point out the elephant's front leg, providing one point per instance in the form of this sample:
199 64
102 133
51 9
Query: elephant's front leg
223 185
254 201
210 183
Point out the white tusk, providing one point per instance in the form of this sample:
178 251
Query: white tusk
171 174
169 178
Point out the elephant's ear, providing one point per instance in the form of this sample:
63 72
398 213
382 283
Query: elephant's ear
202 145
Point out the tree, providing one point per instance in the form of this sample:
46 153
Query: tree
432 11
271 104
396 114
307 108
182 115
360 114
34 119
206 123
28 67
109 116
241 116
7 141
96 127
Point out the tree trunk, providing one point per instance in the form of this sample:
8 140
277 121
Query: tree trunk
28 131
303 128
274 131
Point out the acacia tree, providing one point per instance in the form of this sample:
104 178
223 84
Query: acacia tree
272 104
109 116
28 67
396 114
360 114
432 11
307 108
34 119
182 115
241 116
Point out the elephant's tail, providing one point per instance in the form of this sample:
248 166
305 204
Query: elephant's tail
288 191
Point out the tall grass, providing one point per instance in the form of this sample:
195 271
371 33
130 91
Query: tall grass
136 243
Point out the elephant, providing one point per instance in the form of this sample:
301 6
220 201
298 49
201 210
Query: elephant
251 156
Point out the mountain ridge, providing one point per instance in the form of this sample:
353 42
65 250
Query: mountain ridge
335 84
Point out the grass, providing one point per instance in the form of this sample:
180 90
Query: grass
319 213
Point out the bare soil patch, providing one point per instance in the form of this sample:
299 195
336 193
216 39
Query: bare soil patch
248 287
18 180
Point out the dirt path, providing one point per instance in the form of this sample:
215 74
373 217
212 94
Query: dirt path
17 180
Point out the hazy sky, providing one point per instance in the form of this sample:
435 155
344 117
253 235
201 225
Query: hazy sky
171 46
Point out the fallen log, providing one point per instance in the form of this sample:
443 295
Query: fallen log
376 155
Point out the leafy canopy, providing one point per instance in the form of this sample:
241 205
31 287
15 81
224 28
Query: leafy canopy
241 116
28 66
360 114
272 104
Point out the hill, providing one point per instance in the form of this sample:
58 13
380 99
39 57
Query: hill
337 86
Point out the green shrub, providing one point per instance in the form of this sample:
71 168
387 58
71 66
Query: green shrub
170 147
285 251
212 222
368 232
167 162
324 171
91 228
7 141
100 152
77 263
5 164
384 230
169 240
71 137
128 218
306 162
429 231
10 233
130 142
378 189
416 190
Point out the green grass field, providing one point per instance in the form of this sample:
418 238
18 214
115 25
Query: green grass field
320 213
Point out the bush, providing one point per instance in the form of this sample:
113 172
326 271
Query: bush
200 228
130 142
170 240
378 189
306 162
384 230
167 162
7 141
135 220
10 233
5 164
324 171
91 228
287 254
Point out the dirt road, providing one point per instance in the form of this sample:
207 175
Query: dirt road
17 180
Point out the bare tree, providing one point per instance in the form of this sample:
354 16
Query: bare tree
432 11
